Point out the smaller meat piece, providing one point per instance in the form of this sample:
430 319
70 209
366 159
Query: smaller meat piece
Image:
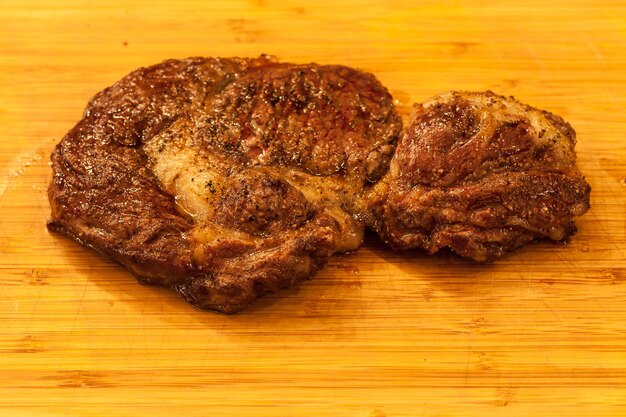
481 174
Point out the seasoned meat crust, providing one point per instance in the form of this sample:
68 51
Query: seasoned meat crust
224 179
481 174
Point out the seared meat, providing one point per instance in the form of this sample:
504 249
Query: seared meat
223 179
226 179
481 174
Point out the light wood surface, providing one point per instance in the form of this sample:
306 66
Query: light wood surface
542 332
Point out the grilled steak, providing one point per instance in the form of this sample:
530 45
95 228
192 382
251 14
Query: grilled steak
481 174
224 179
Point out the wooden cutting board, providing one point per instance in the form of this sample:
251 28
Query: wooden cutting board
541 332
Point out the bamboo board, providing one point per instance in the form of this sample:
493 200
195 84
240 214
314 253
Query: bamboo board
375 334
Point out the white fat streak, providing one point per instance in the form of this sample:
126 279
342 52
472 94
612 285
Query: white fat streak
507 109
328 193
184 172
179 174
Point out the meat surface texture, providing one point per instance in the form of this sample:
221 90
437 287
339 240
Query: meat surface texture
224 179
227 179
480 174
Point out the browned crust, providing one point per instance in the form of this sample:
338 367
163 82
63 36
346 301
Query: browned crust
105 196
472 173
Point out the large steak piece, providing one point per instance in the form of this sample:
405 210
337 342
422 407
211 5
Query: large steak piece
224 179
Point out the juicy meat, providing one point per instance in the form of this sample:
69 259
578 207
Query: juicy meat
224 179
481 174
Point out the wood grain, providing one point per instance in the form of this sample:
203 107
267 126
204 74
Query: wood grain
542 332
